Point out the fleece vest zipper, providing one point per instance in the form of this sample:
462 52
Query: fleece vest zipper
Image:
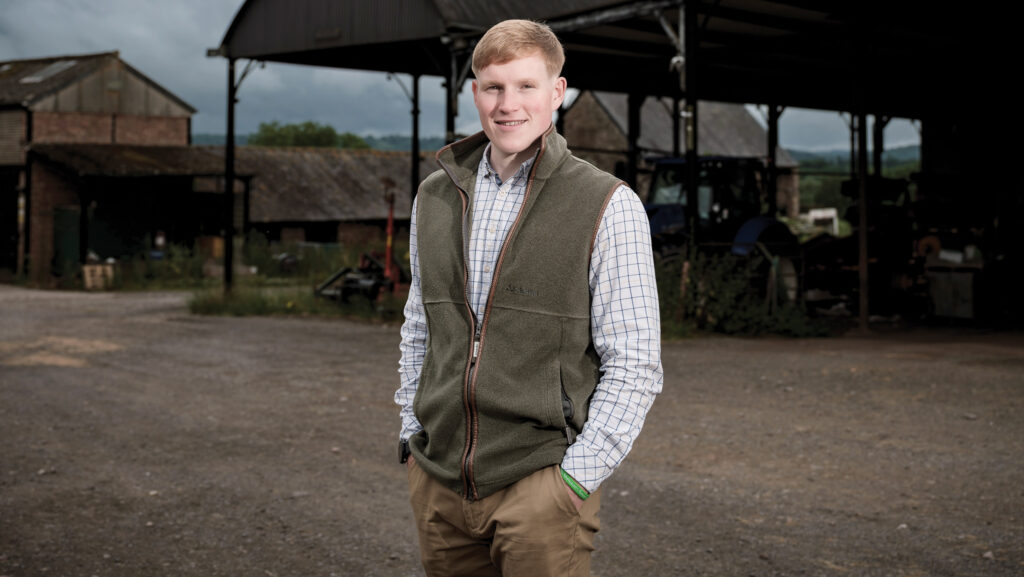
480 327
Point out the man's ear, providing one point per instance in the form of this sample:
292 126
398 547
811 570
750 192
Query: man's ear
559 95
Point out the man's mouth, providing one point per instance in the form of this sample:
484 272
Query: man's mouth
509 122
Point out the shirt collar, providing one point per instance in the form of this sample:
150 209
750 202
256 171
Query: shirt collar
488 170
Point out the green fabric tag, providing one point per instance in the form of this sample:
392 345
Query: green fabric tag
576 487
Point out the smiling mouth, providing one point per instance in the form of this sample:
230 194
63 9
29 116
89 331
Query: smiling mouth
510 122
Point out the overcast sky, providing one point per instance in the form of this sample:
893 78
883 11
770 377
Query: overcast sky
167 41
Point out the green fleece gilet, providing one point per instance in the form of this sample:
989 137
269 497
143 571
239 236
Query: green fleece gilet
492 421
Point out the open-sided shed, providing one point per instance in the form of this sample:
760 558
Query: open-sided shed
883 59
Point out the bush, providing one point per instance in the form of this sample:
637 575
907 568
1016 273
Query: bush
179 267
311 263
724 293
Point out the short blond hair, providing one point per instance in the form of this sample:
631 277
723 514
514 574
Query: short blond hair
511 39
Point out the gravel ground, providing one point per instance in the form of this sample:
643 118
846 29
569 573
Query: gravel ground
136 439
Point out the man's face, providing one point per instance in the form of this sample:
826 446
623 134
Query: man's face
515 100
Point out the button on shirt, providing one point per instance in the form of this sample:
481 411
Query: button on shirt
624 317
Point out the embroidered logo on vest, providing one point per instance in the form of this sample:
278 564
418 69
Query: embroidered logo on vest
521 291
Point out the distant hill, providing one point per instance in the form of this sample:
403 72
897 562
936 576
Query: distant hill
909 153
897 155
203 139
386 142
403 142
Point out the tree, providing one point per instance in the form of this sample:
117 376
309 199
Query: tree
349 140
306 134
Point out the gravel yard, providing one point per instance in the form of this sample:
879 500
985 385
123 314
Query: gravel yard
137 439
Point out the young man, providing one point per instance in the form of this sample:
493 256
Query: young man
531 345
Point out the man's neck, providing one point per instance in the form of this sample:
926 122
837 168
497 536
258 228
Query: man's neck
507 165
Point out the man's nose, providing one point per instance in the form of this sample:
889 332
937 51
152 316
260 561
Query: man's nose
509 101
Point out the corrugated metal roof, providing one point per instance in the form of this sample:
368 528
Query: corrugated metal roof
14 90
280 27
830 55
288 184
123 160
385 35
325 184
723 129
474 14
283 26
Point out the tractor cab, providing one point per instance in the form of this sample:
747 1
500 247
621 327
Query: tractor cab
729 193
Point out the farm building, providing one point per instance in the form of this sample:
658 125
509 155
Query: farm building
596 126
95 159
79 100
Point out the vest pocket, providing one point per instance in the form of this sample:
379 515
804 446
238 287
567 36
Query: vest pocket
568 410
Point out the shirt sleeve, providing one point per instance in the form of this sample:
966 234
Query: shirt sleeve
414 341
626 329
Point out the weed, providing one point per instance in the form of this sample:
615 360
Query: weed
247 300
725 294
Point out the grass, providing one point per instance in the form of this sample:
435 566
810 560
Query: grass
248 300
270 284
719 295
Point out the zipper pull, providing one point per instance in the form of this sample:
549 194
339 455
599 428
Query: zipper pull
570 435
476 343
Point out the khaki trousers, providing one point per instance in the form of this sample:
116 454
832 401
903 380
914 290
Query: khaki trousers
529 529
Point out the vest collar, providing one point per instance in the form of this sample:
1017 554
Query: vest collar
462 158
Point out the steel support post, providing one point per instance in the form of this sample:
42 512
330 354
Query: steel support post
878 142
246 209
84 198
415 179
862 216
676 141
634 101
229 183
774 111
853 145
451 100
690 43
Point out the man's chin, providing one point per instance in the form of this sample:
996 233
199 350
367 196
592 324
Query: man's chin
513 146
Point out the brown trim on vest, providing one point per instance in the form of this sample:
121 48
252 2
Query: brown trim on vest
604 206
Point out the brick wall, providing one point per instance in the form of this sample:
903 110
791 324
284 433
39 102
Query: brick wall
89 128
49 190
12 137
587 126
358 234
788 193
79 127
153 130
